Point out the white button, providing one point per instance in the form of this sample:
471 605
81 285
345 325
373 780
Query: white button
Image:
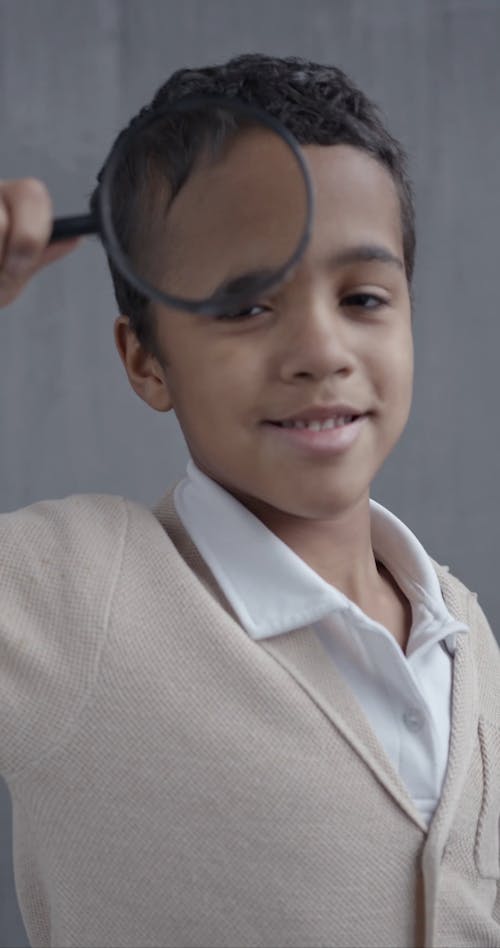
413 719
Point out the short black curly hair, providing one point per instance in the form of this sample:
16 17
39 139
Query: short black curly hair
318 104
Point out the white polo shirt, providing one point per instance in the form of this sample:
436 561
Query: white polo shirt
405 698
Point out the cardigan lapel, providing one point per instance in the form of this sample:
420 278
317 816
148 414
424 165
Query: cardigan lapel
464 726
302 655
464 711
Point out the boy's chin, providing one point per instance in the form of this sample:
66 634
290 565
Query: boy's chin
307 505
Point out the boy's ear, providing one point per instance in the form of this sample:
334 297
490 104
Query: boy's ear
144 371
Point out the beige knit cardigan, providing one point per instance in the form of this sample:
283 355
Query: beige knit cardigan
175 783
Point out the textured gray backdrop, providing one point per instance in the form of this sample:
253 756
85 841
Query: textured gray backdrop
71 74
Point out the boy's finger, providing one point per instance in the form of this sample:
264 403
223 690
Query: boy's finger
60 249
24 228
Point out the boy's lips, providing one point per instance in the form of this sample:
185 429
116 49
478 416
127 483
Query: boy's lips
320 413
330 440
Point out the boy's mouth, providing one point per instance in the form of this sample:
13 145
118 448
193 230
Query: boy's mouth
320 417
336 421
324 430
328 435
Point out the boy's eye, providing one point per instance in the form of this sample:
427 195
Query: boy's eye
248 313
364 300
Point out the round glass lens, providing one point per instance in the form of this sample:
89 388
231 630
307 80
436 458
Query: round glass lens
206 205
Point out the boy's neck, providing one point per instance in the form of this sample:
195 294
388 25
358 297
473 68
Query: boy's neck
339 549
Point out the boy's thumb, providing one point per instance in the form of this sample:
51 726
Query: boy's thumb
54 251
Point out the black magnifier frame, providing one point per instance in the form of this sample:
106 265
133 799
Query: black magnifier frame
102 222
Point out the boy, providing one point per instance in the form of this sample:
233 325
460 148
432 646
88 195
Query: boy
261 715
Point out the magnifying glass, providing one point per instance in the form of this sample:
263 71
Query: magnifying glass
203 206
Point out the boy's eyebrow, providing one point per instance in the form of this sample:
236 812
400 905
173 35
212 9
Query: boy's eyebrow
365 253
361 252
243 282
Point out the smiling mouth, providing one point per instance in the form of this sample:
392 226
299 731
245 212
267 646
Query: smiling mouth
323 437
338 421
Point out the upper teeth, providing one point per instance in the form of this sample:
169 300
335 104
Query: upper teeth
336 422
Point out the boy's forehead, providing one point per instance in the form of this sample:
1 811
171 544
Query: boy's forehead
240 214
242 208
356 201
355 196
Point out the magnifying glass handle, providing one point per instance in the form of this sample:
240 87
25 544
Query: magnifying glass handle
78 226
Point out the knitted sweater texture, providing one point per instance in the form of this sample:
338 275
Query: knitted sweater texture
175 783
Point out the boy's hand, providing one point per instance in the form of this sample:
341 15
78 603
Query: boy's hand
25 227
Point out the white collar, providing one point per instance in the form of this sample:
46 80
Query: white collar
272 590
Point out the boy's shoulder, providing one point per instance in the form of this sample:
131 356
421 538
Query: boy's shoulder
451 586
463 604
73 526
92 518
457 596
82 533
74 542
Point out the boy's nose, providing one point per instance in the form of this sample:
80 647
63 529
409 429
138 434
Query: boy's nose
316 342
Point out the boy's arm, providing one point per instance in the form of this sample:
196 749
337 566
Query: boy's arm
60 561
54 590
25 227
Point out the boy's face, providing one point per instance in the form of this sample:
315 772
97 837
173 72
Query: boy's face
338 332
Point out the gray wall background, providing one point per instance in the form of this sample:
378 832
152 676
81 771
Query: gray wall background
72 72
